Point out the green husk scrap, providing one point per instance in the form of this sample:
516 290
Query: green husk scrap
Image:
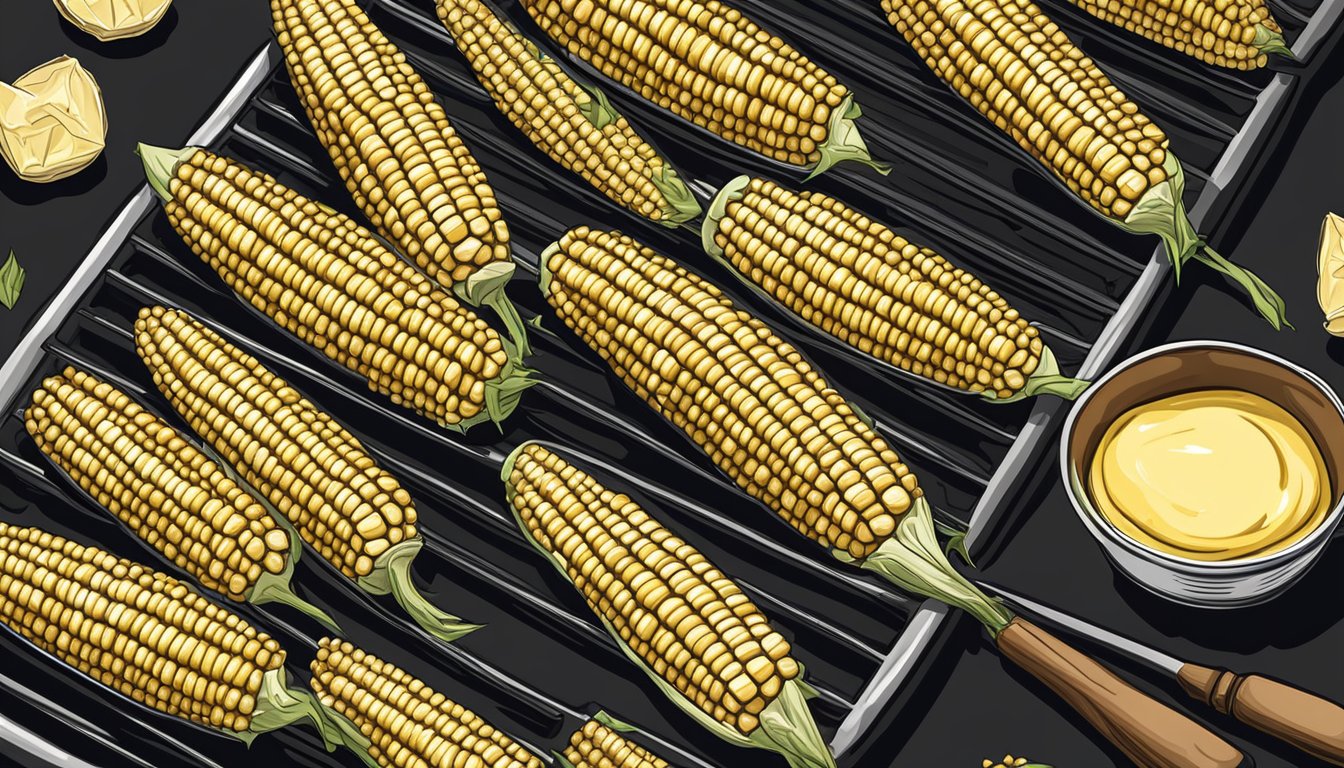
619 726
912 560
349 736
502 393
544 269
392 575
843 142
1045 380
1270 42
597 108
1161 212
786 724
11 281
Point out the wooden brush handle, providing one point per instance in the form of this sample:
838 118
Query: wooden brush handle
1150 733
1312 724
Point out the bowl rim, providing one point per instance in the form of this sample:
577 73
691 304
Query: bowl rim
1098 525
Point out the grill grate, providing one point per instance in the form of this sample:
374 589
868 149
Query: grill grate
958 185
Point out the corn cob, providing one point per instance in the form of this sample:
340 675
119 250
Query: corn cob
1022 72
686 624
1227 33
329 281
164 490
1012 762
599 744
712 66
404 722
746 397
147 636
572 122
756 407
860 282
397 152
316 474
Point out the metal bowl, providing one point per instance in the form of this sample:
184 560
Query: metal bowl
1184 367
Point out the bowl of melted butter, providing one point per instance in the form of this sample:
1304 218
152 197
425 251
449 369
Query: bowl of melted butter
1211 473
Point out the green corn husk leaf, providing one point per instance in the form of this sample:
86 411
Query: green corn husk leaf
956 542
1270 42
863 416
597 109
843 142
272 587
161 165
560 760
392 575
912 560
485 287
786 724
1045 380
502 394
544 269
278 705
731 192
619 726
1161 212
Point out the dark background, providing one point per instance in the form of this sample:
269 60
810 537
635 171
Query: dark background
971 705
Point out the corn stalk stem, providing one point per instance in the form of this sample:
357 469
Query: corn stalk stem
1161 211
912 560
278 706
392 575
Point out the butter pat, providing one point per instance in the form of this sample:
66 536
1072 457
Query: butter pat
113 19
1211 475
52 121
1330 273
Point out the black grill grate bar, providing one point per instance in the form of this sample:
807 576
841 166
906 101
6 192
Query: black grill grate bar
1301 18
78 360
286 158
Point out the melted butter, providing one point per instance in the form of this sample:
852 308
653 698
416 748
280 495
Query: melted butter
1210 475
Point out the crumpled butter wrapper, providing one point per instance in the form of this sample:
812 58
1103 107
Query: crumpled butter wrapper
52 121
1330 273
113 19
